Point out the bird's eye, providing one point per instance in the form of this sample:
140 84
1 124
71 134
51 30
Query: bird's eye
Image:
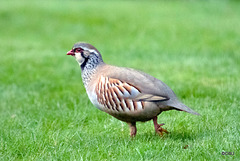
78 50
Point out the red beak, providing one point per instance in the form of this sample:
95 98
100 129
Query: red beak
71 52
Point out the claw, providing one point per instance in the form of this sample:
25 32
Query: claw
160 130
158 127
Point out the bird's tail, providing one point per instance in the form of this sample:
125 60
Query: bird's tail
180 106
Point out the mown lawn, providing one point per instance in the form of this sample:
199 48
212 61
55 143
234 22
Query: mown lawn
192 46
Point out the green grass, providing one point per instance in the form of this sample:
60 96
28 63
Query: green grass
192 46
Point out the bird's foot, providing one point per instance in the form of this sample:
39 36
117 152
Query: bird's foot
159 130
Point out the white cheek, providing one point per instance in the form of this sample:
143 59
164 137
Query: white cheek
79 58
77 55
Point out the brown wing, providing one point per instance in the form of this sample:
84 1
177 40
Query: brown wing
119 95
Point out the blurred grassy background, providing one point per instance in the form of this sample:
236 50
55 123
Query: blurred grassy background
193 46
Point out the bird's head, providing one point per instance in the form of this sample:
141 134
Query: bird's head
85 53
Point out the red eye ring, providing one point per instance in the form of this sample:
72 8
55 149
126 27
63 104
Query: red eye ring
78 50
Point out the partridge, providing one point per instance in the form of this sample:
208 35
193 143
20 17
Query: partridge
127 94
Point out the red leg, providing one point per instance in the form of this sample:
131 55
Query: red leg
133 129
158 127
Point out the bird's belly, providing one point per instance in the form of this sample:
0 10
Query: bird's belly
145 114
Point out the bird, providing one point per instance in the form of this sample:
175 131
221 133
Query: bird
127 94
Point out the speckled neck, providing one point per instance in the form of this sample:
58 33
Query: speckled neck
89 68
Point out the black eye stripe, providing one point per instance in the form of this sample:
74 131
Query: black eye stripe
83 55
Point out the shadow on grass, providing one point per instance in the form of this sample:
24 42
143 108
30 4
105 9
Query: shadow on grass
182 135
172 135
